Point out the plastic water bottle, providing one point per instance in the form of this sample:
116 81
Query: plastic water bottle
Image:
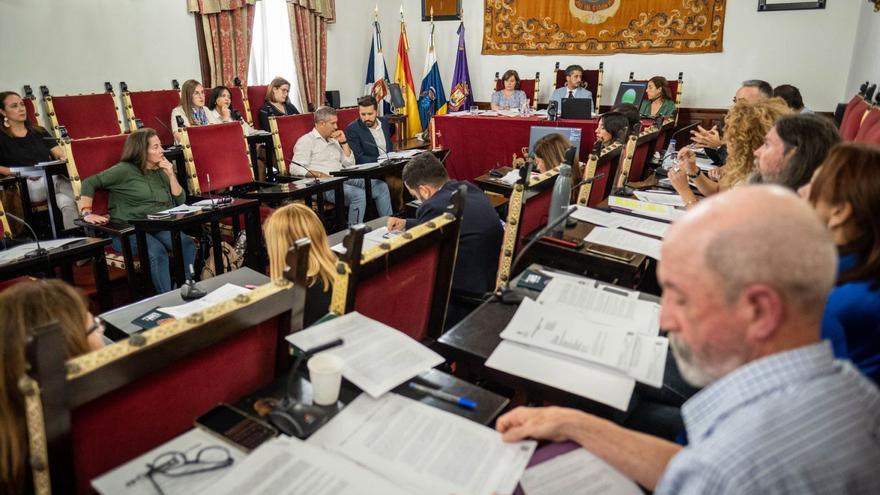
669 158
560 199
526 109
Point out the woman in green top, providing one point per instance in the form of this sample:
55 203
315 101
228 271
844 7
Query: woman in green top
143 182
658 99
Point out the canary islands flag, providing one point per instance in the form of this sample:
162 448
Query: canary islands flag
432 96
403 77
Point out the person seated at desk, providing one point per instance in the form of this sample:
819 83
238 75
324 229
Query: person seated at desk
550 153
792 150
752 91
845 192
658 99
510 97
745 126
631 112
24 307
778 413
370 140
192 106
220 109
792 97
613 127
481 233
325 150
277 102
283 228
572 87
23 144
142 183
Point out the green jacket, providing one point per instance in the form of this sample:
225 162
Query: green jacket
666 109
133 194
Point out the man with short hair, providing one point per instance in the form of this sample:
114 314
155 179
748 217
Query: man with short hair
793 149
572 87
370 135
778 413
480 237
324 150
751 90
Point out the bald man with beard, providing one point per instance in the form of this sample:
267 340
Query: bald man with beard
778 413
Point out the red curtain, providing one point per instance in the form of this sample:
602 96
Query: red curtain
308 33
227 27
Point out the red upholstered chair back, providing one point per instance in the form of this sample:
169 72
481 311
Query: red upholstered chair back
236 95
401 296
852 118
869 123
534 213
95 155
346 116
154 108
30 107
526 85
256 95
637 168
290 129
221 151
873 135
92 115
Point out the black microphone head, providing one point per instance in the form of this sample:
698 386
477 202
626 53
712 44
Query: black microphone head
570 156
236 115
180 122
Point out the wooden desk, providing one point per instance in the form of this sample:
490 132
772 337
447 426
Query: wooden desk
305 189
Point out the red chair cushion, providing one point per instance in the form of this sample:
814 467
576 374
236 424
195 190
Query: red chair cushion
85 116
256 95
637 167
526 85
30 108
119 426
872 136
236 96
870 121
291 128
221 151
534 214
852 118
95 155
347 116
401 296
154 108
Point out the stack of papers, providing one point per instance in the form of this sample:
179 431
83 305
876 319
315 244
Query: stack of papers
660 198
660 212
615 220
396 155
628 241
587 338
578 472
222 294
371 239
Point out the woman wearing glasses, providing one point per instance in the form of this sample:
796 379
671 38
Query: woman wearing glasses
24 307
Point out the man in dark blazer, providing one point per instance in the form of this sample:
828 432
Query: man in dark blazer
370 140
481 232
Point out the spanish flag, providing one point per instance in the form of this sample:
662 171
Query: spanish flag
403 77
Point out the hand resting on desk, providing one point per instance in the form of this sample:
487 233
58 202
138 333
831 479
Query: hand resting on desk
96 219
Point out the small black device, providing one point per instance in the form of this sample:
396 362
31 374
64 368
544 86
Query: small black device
397 100
577 108
496 173
235 426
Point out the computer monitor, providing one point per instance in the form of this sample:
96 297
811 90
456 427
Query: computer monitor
573 134
631 92
577 108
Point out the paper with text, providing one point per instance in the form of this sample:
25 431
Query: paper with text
578 472
661 212
627 241
377 357
659 198
221 294
372 239
594 216
423 448
640 225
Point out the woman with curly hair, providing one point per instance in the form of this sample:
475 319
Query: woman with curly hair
745 126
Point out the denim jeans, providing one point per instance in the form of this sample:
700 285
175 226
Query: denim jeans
356 199
159 250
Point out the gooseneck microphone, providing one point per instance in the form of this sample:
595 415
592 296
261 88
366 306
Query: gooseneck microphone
312 174
38 251
165 126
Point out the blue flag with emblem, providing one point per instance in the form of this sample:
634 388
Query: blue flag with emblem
432 96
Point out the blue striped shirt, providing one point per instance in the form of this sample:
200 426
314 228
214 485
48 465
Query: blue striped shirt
794 422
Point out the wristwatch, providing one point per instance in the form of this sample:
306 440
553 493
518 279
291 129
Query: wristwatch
85 212
697 174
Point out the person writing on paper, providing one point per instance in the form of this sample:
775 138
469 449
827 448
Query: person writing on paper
509 97
277 102
192 106
793 149
659 98
479 238
613 128
572 87
142 183
746 125
550 153
743 318
752 91
845 192
282 229
324 150
24 144
23 307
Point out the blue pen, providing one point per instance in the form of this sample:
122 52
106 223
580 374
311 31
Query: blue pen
439 394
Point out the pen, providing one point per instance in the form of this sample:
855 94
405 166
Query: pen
439 394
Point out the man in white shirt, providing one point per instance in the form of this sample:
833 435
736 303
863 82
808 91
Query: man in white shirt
572 87
324 150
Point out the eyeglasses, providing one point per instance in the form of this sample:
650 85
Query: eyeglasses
97 326
176 464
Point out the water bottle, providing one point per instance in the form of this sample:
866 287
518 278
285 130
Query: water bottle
526 109
669 158
560 199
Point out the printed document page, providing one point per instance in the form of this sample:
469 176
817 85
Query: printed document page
653 210
221 294
424 449
627 241
290 466
578 472
659 198
377 357
641 225
594 216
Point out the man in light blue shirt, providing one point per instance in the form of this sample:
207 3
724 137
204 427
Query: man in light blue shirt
572 87
778 414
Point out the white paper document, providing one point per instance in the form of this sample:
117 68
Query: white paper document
292 467
395 155
372 239
661 212
627 241
16 252
594 216
593 381
424 449
221 294
130 478
705 164
640 225
578 472
183 209
377 357
659 198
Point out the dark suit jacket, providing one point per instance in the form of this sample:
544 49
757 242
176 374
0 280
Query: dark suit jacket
269 109
361 141
479 241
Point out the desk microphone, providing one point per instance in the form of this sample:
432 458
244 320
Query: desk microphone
163 125
588 180
39 251
236 115
378 149
213 204
190 289
316 181
504 294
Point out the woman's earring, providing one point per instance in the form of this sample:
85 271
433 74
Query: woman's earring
5 121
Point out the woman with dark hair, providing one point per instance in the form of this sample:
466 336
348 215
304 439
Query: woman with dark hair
220 109
550 153
845 191
142 183
613 127
25 306
192 106
23 144
510 97
277 102
658 99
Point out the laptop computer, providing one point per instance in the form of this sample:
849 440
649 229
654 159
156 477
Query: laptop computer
577 108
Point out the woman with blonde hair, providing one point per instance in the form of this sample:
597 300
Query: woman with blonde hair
745 126
277 102
192 106
281 230
23 307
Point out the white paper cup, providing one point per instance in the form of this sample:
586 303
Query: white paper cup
325 370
